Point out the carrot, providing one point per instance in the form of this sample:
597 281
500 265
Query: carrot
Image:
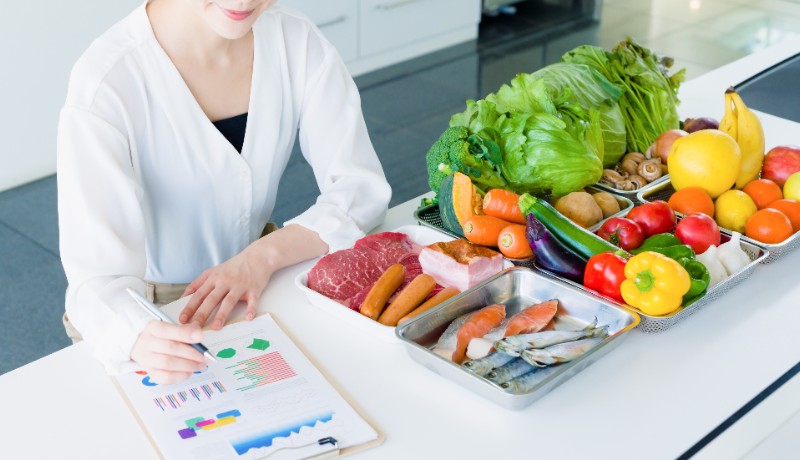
408 299
438 298
484 230
379 293
503 204
513 243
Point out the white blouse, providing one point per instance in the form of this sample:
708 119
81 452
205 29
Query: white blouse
149 189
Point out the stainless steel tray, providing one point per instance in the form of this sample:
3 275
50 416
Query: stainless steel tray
430 216
632 195
664 190
651 323
516 287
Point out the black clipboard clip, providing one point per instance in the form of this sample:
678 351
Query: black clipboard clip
331 452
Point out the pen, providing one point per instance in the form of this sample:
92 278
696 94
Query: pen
159 315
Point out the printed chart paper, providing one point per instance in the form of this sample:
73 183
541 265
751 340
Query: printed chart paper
262 397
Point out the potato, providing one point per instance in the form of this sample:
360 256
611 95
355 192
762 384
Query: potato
581 208
607 203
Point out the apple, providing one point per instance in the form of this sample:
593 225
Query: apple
780 163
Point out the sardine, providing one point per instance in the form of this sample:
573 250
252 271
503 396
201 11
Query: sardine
487 363
526 382
516 344
509 371
560 353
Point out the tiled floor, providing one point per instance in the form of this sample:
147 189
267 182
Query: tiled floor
406 108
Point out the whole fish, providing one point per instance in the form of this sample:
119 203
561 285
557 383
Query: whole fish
560 353
510 370
526 382
515 345
487 363
466 327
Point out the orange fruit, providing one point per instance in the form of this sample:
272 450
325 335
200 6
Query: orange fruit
792 210
691 199
768 226
763 192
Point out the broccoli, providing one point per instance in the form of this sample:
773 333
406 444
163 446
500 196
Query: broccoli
472 154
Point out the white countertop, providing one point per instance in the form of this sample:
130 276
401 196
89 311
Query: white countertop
654 396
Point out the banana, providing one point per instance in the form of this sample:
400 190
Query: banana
728 124
745 127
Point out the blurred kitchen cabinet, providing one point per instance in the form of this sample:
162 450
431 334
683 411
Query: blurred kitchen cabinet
371 34
337 20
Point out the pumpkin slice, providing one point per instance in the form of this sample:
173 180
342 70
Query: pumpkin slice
458 201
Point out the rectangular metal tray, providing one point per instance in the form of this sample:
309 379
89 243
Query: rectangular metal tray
664 190
430 216
516 287
653 324
631 194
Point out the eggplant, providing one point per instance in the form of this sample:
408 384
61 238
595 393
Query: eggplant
550 254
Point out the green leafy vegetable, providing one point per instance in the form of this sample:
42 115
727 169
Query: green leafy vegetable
590 89
649 100
549 143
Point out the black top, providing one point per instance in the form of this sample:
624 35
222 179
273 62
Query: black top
233 129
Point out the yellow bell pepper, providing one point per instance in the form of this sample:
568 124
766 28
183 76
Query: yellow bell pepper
654 283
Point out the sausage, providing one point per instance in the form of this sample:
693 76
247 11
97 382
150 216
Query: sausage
380 292
408 299
440 297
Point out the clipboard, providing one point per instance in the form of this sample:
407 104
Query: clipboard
332 452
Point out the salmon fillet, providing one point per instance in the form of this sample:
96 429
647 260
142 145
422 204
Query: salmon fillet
477 325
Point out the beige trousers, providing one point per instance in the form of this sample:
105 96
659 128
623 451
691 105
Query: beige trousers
158 293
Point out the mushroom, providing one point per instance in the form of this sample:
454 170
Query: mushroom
637 180
611 177
626 185
631 161
650 169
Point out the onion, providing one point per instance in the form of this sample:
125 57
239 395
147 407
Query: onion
691 125
663 143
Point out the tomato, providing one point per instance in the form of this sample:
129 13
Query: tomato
698 231
654 218
623 232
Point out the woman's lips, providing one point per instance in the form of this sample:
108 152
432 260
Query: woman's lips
236 15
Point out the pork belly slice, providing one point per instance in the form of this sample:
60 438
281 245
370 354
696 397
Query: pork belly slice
459 263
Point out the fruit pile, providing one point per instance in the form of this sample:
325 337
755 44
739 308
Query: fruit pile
724 173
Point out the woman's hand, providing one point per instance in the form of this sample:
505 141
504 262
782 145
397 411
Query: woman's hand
164 351
244 276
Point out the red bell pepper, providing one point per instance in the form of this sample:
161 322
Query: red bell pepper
605 273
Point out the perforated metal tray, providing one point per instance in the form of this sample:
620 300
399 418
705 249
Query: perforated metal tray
430 216
632 195
664 190
653 324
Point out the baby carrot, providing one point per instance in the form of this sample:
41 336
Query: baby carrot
503 204
513 243
484 230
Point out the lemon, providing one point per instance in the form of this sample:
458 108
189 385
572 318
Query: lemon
791 188
732 210
709 159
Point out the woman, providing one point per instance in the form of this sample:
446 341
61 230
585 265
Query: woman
153 194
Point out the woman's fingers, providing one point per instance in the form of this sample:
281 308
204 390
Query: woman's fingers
194 285
252 306
208 305
188 312
165 351
230 301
